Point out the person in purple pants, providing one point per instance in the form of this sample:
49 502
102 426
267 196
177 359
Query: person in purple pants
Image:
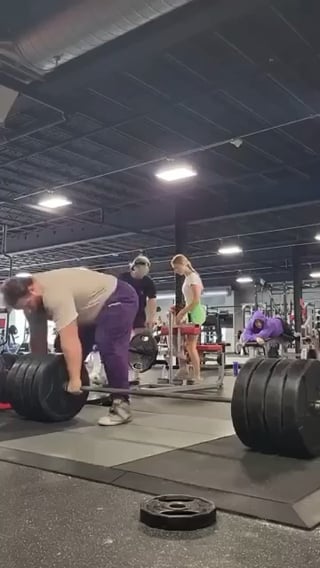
87 307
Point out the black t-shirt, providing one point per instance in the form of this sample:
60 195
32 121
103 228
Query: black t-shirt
145 289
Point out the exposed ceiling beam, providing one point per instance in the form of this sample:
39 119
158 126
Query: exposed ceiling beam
70 234
159 215
130 49
159 34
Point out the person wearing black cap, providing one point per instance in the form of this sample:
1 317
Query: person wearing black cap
138 277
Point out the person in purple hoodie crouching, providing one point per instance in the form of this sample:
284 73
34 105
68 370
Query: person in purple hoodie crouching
261 328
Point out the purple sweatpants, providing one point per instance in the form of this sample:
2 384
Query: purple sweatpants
111 332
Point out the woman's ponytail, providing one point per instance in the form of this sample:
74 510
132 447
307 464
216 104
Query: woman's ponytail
182 259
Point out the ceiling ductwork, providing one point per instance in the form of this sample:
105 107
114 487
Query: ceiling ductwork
75 29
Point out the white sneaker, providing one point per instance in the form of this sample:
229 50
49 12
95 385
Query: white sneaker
119 413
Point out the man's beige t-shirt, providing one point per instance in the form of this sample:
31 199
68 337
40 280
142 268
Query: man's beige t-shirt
74 294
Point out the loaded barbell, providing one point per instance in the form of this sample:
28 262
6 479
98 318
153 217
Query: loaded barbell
275 405
35 387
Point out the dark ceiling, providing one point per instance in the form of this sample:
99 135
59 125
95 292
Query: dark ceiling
182 86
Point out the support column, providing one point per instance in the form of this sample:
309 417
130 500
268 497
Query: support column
181 246
297 290
285 301
243 295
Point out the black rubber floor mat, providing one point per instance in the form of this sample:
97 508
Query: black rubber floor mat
13 426
270 487
274 488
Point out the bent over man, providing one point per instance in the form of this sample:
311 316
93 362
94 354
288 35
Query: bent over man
87 308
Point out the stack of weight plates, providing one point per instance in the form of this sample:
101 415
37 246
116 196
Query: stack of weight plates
273 407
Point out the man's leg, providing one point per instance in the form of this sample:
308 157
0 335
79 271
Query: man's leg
112 336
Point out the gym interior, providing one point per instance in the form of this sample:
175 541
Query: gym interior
160 128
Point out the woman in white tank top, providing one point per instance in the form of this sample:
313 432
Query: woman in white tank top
192 289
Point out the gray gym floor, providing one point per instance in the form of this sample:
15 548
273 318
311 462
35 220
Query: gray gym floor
55 521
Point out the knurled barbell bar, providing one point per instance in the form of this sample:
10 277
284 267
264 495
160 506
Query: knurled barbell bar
275 405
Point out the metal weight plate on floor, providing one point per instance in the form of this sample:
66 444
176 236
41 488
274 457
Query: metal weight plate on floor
301 423
273 403
36 387
239 409
143 351
256 405
178 513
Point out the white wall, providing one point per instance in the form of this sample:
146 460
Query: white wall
17 318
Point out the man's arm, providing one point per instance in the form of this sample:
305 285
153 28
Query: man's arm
38 328
72 351
65 316
151 307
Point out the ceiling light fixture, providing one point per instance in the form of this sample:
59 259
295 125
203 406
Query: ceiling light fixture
244 279
23 275
231 249
176 173
315 274
317 237
54 202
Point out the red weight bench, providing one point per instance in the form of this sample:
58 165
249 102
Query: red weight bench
5 406
212 347
205 349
